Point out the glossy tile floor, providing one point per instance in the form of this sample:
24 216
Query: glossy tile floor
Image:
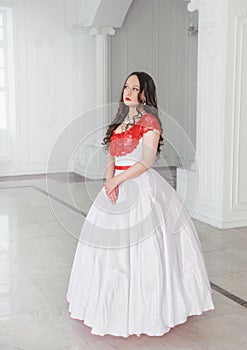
38 238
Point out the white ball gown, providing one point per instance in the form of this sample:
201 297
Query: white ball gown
138 266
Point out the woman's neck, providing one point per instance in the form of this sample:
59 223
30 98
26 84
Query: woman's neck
133 112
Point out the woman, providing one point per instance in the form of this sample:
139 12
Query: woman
138 266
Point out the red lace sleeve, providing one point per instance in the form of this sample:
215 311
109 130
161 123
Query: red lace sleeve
150 122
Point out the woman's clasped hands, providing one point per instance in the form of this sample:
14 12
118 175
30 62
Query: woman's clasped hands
111 189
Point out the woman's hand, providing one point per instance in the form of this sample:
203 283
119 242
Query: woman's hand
111 189
113 196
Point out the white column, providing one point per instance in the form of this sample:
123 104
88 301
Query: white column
103 78
91 159
222 199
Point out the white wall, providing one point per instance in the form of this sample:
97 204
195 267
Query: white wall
54 80
154 39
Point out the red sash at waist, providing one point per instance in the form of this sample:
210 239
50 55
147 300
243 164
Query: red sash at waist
122 167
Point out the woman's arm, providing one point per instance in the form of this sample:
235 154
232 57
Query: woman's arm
110 166
149 149
110 169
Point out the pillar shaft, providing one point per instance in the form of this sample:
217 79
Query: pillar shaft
103 78
220 141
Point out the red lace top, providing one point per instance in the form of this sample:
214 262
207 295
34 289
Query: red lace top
126 141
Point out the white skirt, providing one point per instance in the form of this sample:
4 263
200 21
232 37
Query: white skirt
138 266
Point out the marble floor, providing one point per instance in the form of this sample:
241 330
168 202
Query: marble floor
38 237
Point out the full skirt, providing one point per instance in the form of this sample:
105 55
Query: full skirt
138 266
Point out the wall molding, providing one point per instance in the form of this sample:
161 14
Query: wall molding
238 114
46 81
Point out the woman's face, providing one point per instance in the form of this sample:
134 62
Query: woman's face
131 91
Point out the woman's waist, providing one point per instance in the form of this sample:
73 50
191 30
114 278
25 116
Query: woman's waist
124 161
122 167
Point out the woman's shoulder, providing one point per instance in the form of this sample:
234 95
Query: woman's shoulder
150 122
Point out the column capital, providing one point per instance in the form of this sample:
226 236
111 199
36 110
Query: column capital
203 5
212 15
194 5
97 30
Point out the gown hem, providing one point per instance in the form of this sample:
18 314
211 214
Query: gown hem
138 334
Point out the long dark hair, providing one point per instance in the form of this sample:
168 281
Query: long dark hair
147 85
